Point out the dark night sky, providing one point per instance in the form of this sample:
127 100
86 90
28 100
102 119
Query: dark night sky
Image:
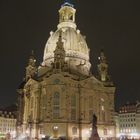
110 24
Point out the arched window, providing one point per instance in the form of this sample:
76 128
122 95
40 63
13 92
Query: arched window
71 17
90 101
90 107
56 105
43 104
73 101
73 107
105 131
90 114
74 130
103 116
56 98
57 65
31 107
31 102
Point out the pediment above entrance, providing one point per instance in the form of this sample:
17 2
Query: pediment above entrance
91 83
59 79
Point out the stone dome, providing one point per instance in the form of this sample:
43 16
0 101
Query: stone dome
75 44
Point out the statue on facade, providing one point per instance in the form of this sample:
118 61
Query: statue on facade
103 67
31 68
94 133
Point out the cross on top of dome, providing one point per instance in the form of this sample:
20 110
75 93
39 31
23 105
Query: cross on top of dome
67 3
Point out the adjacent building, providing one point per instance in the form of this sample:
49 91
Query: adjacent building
128 121
58 98
7 124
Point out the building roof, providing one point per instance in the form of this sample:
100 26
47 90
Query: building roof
7 114
9 111
129 107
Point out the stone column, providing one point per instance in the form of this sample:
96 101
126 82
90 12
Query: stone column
37 112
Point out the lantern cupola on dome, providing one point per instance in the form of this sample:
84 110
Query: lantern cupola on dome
67 15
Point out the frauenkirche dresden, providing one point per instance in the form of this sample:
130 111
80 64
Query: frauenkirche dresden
58 98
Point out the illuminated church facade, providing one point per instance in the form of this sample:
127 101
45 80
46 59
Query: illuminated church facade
58 98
